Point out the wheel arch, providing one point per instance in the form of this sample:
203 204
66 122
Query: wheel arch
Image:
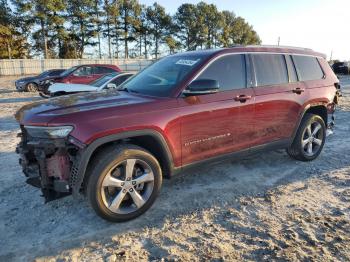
317 109
149 139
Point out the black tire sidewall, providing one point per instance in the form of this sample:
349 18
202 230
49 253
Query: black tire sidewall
106 162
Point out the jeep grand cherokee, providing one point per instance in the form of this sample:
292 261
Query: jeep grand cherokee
185 109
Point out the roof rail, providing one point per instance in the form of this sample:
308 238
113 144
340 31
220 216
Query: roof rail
281 46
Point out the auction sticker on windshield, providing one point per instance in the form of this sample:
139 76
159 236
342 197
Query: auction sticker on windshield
186 62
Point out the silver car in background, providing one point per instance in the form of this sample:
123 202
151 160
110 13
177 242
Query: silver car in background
110 81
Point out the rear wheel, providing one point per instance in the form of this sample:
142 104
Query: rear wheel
32 87
124 183
310 138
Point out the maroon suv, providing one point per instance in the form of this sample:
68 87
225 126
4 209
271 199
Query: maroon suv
183 110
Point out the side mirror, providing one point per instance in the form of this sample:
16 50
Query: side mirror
202 87
111 86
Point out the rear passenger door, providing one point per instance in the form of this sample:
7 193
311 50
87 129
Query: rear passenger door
83 75
100 71
279 97
222 122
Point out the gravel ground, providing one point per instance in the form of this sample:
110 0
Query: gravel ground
263 207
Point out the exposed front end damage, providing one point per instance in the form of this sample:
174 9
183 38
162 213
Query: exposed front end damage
49 163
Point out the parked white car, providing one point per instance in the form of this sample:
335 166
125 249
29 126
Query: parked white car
110 81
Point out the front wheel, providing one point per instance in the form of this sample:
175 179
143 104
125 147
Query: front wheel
309 140
32 87
124 183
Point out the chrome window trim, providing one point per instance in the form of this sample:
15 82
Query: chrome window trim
246 53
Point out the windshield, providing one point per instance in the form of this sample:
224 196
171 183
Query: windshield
43 74
68 71
160 78
102 80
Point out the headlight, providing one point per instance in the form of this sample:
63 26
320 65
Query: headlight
20 82
49 132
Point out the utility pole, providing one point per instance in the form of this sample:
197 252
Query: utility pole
331 57
278 41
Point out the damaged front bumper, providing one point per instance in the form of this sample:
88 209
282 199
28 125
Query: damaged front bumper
49 164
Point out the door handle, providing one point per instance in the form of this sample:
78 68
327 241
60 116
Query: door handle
298 90
242 98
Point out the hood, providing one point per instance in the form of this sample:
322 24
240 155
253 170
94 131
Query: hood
61 87
26 79
42 112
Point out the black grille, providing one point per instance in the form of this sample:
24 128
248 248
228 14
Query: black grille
73 174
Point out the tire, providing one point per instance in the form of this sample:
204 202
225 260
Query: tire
312 130
112 194
31 87
43 95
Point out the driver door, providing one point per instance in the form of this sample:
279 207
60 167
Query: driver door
219 123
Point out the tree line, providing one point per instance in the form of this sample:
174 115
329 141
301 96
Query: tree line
115 28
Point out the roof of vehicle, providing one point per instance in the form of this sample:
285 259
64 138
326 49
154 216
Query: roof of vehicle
103 65
56 69
257 48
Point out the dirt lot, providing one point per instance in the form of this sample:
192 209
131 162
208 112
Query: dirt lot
264 207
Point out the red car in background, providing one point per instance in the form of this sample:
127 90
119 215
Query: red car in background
84 74
80 74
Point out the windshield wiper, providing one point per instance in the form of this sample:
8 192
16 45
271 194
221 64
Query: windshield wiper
123 89
128 90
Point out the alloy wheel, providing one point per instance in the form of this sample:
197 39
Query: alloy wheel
127 186
31 87
312 138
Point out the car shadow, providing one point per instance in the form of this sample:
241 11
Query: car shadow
8 124
7 91
20 99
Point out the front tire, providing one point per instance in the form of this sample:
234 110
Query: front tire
124 183
31 87
309 140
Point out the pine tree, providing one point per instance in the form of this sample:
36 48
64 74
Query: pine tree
236 31
13 43
82 30
186 23
160 24
129 11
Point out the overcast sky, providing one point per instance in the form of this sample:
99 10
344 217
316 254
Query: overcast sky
323 25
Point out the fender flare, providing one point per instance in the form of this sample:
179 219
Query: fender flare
302 114
78 172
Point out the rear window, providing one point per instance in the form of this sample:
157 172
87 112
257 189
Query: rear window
270 69
308 68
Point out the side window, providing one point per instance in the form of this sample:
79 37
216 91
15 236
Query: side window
109 70
102 70
229 71
308 68
270 69
83 71
291 69
120 80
